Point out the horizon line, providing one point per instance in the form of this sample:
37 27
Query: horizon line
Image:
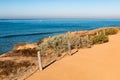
54 18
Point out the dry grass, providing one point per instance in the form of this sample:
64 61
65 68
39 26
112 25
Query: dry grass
9 68
15 61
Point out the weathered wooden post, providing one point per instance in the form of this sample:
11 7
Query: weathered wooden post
104 32
39 60
87 37
69 48
80 42
97 33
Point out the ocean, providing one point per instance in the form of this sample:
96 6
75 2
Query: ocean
31 31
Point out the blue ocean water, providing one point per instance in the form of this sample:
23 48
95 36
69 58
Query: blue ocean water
30 31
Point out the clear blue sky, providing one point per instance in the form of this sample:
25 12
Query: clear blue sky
59 8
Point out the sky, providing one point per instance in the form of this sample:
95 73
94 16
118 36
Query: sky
59 9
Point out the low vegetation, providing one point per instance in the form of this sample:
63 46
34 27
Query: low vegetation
99 39
10 68
25 52
17 60
23 49
59 44
111 31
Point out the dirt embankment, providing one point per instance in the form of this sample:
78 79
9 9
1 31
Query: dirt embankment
17 60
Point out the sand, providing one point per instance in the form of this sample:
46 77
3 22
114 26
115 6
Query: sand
101 62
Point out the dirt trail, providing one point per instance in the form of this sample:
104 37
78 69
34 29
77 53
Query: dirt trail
101 62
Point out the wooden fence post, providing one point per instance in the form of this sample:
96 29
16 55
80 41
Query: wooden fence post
69 48
87 37
104 32
97 33
39 60
80 42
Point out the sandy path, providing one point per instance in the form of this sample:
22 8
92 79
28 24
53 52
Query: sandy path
101 62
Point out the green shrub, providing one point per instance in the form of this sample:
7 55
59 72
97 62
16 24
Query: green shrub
111 31
98 39
85 42
74 41
57 44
